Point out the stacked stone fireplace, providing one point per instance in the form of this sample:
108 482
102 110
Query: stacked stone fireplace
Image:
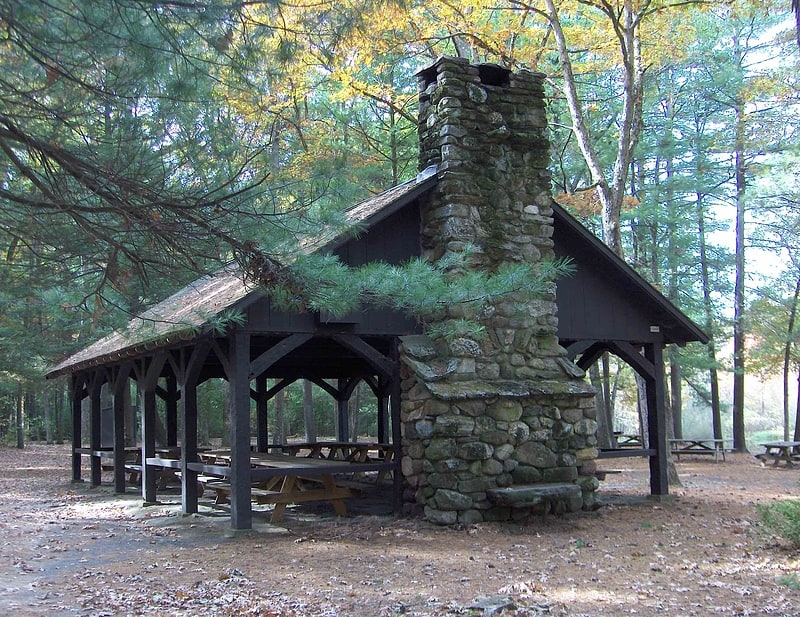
499 426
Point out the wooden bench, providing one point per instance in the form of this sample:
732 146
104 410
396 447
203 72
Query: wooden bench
777 451
290 490
701 446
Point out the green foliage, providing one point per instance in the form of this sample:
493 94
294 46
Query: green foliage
425 290
790 580
782 519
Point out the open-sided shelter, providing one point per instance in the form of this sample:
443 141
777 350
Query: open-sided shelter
481 429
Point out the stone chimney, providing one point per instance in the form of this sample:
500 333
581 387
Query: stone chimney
502 426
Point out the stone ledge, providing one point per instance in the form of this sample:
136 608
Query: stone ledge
528 495
478 389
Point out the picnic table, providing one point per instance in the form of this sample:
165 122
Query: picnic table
282 480
628 441
698 446
777 451
353 452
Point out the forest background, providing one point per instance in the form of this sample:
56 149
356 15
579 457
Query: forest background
143 143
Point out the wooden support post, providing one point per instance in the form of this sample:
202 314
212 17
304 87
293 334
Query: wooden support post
241 512
397 476
120 386
188 409
171 404
76 400
148 444
94 427
191 364
656 420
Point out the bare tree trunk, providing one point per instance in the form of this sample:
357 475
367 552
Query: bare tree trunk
676 400
353 412
610 193
280 418
708 308
605 424
47 411
739 437
787 359
308 412
797 409
20 419
226 416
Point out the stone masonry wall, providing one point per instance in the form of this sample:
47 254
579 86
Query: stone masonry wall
509 408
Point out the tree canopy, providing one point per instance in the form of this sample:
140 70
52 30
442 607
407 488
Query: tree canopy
144 142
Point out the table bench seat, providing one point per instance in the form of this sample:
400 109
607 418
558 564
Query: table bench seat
295 493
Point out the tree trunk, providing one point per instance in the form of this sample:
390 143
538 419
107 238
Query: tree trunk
308 412
226 416
708 309
47 412
676 400
787 359
20 419
353 413
739 436
605 424
797 409
281 428
609 193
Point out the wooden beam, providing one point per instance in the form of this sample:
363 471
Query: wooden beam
334 392
276 352
356 344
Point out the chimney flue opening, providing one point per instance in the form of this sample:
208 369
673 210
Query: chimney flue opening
494 75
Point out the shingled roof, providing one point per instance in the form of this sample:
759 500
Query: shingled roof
191 311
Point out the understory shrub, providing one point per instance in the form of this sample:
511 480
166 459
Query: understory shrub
782 519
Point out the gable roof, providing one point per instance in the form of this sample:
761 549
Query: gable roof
192 310
576 240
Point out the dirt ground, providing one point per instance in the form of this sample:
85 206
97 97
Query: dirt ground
75 550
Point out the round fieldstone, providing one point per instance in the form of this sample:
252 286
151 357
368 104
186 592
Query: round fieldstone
535 454
453 426
505 410
440 449
475 450
452 500
441 517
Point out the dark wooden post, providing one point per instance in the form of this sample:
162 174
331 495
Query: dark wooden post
94 427
119 386
171 403
147 386
262 427
241 512
191 365
76 399
383 396
397 476
148 444
656 420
